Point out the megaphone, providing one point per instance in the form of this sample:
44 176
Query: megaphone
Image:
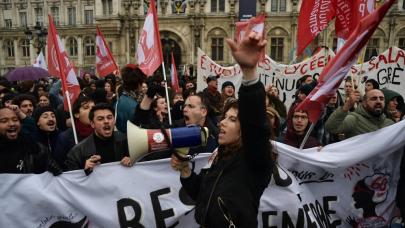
143 141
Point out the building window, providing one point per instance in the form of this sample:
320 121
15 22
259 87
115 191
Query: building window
7 4
401 43
72 47
110 45
72 16
23 19
107 7
25 48
88 17
217 49
334 45
8 23
217 6
39 16
278 5
277 48
371 49
89 47
9 44
55 15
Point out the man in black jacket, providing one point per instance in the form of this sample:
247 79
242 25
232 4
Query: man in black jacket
103 146
18 153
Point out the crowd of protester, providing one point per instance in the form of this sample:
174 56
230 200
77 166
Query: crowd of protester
36 133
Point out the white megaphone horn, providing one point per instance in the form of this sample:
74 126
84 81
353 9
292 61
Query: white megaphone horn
143 141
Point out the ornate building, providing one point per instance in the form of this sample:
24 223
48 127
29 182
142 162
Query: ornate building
185 25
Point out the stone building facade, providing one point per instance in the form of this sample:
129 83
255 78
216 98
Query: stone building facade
185 25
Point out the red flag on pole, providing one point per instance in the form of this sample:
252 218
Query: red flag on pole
149 51
173 75
334 73
314 17
349 13
59 65
105 63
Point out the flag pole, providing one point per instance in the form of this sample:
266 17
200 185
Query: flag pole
71 116
167 93
307 135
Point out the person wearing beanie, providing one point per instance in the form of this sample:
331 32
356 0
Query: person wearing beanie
46 132
213 97
227 91
392 101
19 153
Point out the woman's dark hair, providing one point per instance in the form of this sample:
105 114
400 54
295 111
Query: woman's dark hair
229 150
22 97
374 83
79 102
153 105
100 106
132 77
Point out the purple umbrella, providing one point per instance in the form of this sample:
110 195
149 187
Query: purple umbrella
27 73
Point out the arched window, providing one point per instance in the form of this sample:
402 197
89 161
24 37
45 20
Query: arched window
25 48
374 44
89 47
217 38
9 48
72 46
277 38
401 39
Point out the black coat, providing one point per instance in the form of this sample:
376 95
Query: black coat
35 157
241 178
77 156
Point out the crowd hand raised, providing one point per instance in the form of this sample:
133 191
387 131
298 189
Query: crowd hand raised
248 52
351 100
181 166
126 161
17 111
92 162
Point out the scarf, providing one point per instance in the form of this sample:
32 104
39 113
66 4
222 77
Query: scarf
83 130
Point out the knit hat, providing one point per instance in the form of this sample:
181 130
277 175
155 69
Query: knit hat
40 110
391 94
227 83
211 78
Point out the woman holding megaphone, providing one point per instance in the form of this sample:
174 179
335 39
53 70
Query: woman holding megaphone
227 194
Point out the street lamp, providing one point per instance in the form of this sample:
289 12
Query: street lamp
41 34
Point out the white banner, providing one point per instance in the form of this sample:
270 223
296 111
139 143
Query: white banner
352 182
387 69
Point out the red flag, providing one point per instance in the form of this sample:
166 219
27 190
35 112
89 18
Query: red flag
349 13
255 23
59 65
105 63
149 51
314 17
173 76
334 73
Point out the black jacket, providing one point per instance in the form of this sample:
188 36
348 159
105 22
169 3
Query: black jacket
242 178
77 156
35 157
